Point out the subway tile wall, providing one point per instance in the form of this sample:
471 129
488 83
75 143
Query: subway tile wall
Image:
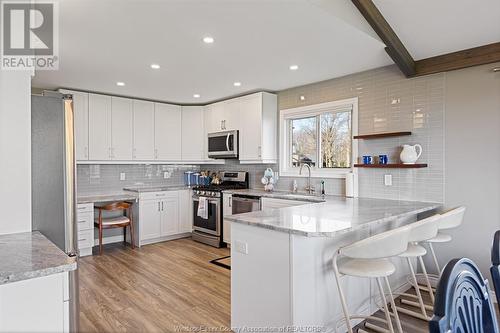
105 178
390 102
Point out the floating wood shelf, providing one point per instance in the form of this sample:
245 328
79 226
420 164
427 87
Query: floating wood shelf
392 166
381 135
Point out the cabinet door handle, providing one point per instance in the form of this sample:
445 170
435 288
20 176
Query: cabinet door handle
156 153
158 206
162 205
260 151
133 152
224 124
221 124
230 201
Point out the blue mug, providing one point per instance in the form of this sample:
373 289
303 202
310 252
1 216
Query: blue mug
367 159
383 159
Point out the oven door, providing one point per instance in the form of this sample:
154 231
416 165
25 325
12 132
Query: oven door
223 144
212 224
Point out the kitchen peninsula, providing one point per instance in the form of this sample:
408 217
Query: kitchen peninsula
281 273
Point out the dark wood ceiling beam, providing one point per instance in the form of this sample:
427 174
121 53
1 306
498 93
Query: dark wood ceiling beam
394 47
481 55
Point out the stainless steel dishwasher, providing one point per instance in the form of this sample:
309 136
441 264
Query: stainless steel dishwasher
245 203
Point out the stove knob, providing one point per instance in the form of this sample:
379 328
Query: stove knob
203 192
212 194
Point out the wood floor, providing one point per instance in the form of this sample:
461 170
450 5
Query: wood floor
158 288
164 287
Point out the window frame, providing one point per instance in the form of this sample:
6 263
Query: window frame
286 115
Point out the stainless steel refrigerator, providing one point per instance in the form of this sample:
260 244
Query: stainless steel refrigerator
53 179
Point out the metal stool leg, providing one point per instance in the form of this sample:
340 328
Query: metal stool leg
386 307
435 258
342 297
427 281
393 306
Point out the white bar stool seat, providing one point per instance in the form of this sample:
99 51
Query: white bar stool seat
414 250
440 238
369 268
369 258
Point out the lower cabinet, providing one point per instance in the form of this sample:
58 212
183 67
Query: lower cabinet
35 305
162 216
85 225
227 209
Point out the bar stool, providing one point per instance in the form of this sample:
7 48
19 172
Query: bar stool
449 220
420 231
122 221
368 258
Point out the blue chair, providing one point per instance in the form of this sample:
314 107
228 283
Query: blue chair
463 303
495 264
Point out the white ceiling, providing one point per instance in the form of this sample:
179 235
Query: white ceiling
433 27
105 41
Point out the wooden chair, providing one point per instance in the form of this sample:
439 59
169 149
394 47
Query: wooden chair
122 221
463 303
495 264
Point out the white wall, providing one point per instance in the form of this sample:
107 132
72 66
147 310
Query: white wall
472 161
15 151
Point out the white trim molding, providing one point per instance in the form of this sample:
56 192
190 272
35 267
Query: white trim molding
312 110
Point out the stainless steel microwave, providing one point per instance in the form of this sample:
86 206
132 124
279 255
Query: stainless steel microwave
223 144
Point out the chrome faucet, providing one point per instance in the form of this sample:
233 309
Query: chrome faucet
309 188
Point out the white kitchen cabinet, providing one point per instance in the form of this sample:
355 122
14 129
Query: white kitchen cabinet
149 220
215 117
168 125
162 216
273 203
231 115
223 116
258 131
85 228
34 305
185 211
99 127
81 121
193 133
170 214
144 126
122 117
227 210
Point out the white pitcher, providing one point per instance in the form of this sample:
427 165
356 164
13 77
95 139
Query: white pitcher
409 154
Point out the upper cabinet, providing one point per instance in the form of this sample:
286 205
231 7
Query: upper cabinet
223 116
193 133
99 127
168 124
81 120
122 120
144 130
258 114
127 130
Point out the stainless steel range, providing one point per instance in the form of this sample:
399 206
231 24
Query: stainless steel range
209 230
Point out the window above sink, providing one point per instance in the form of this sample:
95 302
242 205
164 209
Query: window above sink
320 135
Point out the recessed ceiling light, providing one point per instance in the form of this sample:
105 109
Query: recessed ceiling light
120 84
155 66
208 40
294 67
196 95
302 98
237 84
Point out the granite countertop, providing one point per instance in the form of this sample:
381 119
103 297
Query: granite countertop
106 197
145 189
300 196
30 255
335 216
